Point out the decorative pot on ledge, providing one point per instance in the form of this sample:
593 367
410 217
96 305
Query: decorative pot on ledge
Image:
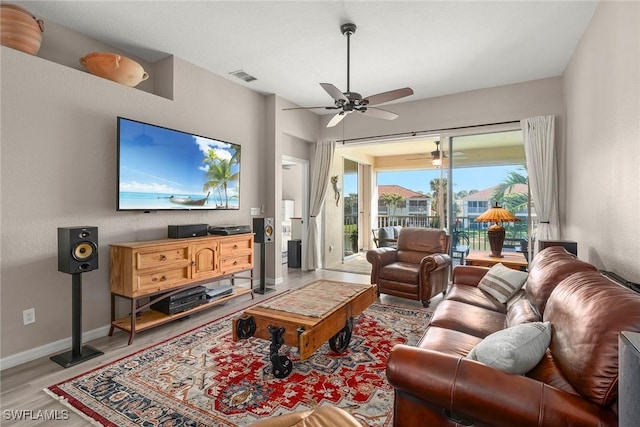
19 29
114 67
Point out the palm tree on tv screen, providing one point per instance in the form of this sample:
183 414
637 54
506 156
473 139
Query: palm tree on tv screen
220 173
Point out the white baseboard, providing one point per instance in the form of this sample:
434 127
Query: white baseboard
50 349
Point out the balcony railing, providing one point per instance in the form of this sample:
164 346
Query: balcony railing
466 231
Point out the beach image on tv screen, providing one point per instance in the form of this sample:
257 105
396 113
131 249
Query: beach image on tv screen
163 169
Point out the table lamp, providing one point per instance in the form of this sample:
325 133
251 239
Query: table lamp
495 232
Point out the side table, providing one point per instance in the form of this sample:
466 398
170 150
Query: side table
514 260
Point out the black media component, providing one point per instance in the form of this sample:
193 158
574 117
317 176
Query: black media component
228 230
77 249
187 230
181 301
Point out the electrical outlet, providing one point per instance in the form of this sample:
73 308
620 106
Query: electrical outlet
255 211
29 316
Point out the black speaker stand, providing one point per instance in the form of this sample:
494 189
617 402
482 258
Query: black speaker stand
78 353
263 286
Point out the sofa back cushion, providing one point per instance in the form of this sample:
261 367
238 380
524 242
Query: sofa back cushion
415 243
550 267
588 311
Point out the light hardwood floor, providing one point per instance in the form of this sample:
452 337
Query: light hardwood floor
22 386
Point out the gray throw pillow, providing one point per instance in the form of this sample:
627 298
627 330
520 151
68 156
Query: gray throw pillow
516 350
502 282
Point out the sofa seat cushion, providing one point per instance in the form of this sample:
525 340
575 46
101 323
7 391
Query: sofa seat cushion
467 318
474 296
589 311
448 341
401 272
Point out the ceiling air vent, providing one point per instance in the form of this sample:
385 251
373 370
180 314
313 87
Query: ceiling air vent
243 76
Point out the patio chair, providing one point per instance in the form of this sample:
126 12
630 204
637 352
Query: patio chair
386 236
417 269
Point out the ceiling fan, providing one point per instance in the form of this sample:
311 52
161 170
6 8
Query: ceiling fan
436 157
348 102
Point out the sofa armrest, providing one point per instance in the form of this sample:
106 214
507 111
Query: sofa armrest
468 274
435 262
379 258
485 394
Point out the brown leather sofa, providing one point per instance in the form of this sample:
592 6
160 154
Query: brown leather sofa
417 269
575 383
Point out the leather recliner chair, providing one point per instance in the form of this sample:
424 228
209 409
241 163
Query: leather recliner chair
417 269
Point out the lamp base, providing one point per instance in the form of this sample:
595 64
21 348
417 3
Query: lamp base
496 233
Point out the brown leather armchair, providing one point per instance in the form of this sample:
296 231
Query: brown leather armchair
417 269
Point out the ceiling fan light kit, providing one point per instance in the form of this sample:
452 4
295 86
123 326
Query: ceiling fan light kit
348 102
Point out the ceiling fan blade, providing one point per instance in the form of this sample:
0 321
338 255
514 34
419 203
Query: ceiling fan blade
379 113
309 108
334 92
337 118
383 97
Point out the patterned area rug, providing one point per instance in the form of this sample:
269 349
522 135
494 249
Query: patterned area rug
204 378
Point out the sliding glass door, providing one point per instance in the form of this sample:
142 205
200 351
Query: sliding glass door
486 169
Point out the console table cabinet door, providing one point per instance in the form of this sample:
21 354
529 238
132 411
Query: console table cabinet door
205 261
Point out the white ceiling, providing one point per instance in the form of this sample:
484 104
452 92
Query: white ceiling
434 47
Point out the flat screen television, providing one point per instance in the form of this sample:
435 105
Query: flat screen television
166 169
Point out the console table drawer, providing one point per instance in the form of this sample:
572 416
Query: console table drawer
236 247
159 280
161 258
239 263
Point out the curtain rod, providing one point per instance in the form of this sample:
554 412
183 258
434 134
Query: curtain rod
414 133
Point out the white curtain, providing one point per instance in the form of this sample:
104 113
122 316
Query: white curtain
540 152
322 165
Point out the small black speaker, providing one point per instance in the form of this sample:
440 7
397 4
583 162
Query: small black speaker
189 230
571 247
263 229
77 249
629 378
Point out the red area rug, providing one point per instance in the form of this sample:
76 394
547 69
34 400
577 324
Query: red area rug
204 378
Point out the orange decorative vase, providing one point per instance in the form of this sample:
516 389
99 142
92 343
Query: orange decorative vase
19 29
114 67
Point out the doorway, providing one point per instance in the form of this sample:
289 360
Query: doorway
351 208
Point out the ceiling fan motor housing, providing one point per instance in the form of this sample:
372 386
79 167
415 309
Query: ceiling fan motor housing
348 29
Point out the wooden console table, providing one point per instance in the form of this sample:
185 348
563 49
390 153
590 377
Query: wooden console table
156 269
514 260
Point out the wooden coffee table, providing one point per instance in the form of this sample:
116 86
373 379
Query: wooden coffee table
514 260
306 318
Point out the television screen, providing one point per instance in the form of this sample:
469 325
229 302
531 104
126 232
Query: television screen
166 169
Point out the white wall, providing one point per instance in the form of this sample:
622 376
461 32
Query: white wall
59 169
58 157
601 160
